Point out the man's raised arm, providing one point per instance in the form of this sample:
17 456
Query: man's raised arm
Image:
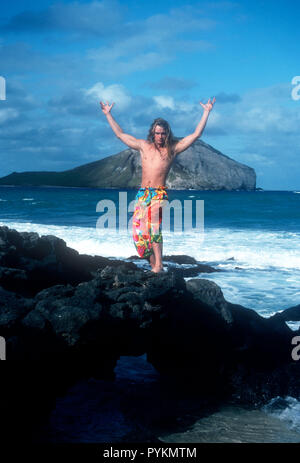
185 142
129 140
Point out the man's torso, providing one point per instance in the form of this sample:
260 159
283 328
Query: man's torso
156 164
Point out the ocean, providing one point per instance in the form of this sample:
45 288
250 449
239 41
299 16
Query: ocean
253 237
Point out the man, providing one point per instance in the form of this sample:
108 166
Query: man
158 153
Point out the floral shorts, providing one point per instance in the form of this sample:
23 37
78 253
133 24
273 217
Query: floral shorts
147 218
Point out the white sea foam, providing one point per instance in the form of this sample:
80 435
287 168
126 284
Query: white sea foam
286 409
86 240
241 248
250 248
247 249
263 275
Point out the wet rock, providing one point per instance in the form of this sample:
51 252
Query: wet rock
209 293
76 320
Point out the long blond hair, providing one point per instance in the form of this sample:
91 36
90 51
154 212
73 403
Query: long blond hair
169 142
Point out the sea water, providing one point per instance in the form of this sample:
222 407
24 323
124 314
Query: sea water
253 237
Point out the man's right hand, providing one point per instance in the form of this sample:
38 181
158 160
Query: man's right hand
106 107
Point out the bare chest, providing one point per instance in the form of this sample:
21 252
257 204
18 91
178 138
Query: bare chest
154 158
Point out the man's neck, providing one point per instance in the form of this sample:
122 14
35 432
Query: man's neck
159 147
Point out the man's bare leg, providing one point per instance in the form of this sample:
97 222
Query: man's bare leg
152 260
156 257
157 249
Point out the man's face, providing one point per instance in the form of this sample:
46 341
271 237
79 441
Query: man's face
160 135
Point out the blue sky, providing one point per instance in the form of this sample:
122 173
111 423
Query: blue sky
154 59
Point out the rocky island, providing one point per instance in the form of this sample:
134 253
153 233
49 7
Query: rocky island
200 167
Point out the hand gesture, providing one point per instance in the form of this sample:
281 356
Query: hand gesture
209 105
106 107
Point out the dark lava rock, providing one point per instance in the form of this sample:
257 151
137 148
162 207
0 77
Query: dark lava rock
184 266
64 320
29 263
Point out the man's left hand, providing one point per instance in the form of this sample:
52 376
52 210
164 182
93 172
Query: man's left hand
209 105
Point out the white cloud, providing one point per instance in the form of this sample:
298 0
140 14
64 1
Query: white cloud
266 118
112 93
263 111
151 42
164 101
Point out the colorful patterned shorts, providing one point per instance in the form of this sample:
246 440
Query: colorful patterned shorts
147 218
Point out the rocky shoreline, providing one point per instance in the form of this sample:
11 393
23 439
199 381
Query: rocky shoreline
67 316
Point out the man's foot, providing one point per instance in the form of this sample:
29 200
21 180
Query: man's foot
157 269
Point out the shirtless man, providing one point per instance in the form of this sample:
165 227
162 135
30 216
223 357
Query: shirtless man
157 155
